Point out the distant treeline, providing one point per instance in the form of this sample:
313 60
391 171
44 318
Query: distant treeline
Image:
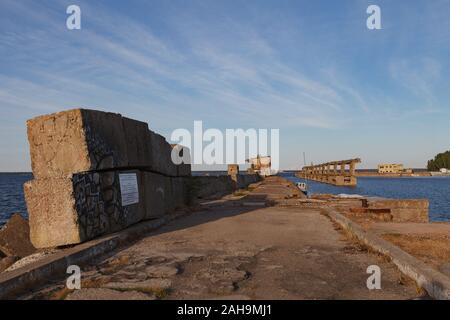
442 160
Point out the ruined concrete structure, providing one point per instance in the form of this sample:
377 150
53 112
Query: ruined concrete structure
98 172
401 210
261 165
95 173
334 172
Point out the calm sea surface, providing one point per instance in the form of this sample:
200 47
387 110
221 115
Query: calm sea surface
436 189
11 195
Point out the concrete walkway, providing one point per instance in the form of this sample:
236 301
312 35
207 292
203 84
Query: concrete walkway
240 252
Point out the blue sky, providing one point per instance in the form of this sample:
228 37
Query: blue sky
335 89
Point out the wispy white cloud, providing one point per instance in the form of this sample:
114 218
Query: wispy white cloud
419 77
246 76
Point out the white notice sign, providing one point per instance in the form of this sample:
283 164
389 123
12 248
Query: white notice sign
129 188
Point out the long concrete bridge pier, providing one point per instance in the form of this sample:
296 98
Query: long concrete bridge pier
334 172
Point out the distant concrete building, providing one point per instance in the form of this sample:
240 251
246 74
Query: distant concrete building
391 168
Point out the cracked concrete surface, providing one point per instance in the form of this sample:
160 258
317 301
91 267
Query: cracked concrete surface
267 253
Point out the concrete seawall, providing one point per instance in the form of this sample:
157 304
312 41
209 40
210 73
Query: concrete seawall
203 187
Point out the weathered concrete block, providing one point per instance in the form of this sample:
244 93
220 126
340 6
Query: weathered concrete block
157 194
404 210
409 215
76 141
52 214
78 159
243 180
203 187
398 203
179 193
80 140
66 211
184 168
163 194
161 160
139 148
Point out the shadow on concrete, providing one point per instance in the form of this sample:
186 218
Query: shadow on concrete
225 209
214 209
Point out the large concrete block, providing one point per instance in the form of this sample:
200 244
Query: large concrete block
179 193
163 194
76 141
157 194
204 187
52 215
65 211
82 140
403 210
161 160
184 168
139 148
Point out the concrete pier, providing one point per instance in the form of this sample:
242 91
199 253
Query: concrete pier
242 247
142 228
265 242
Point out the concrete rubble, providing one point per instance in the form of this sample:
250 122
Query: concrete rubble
14 241
15 237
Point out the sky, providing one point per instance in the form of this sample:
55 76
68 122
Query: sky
312 69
